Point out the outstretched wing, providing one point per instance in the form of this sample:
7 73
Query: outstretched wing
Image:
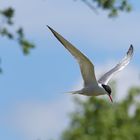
120 66
86 67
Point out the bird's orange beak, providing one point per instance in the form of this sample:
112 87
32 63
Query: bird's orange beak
110 98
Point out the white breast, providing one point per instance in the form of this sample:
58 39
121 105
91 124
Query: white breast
93 90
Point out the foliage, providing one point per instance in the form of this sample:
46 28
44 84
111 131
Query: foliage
113 6
98 119
7 24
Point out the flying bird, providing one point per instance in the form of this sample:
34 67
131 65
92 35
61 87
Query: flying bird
92 86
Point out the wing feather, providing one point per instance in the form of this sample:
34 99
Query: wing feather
120 66
86 67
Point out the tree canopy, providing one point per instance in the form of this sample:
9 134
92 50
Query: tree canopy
98 119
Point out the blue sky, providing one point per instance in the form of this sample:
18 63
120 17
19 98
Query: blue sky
32 103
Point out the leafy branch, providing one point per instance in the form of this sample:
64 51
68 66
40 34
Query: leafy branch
113 6
18 35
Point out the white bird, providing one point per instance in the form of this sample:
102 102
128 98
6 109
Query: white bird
92 87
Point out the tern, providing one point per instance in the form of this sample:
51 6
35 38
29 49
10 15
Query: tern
92 87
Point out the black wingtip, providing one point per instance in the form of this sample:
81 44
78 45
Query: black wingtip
131 46
130 50
49 27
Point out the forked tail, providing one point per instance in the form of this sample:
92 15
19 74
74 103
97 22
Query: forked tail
75 92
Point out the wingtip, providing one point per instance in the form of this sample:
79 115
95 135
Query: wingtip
49 27
53 31
131 46
130 50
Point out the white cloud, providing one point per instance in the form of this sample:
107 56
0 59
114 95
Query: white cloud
127 78
36 119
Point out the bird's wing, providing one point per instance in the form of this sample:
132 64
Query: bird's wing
86 67
120 66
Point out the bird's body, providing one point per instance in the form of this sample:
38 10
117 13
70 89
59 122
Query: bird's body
91 90
92 87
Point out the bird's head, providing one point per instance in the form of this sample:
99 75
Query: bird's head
108 91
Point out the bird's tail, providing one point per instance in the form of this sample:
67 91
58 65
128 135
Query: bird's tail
75 92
